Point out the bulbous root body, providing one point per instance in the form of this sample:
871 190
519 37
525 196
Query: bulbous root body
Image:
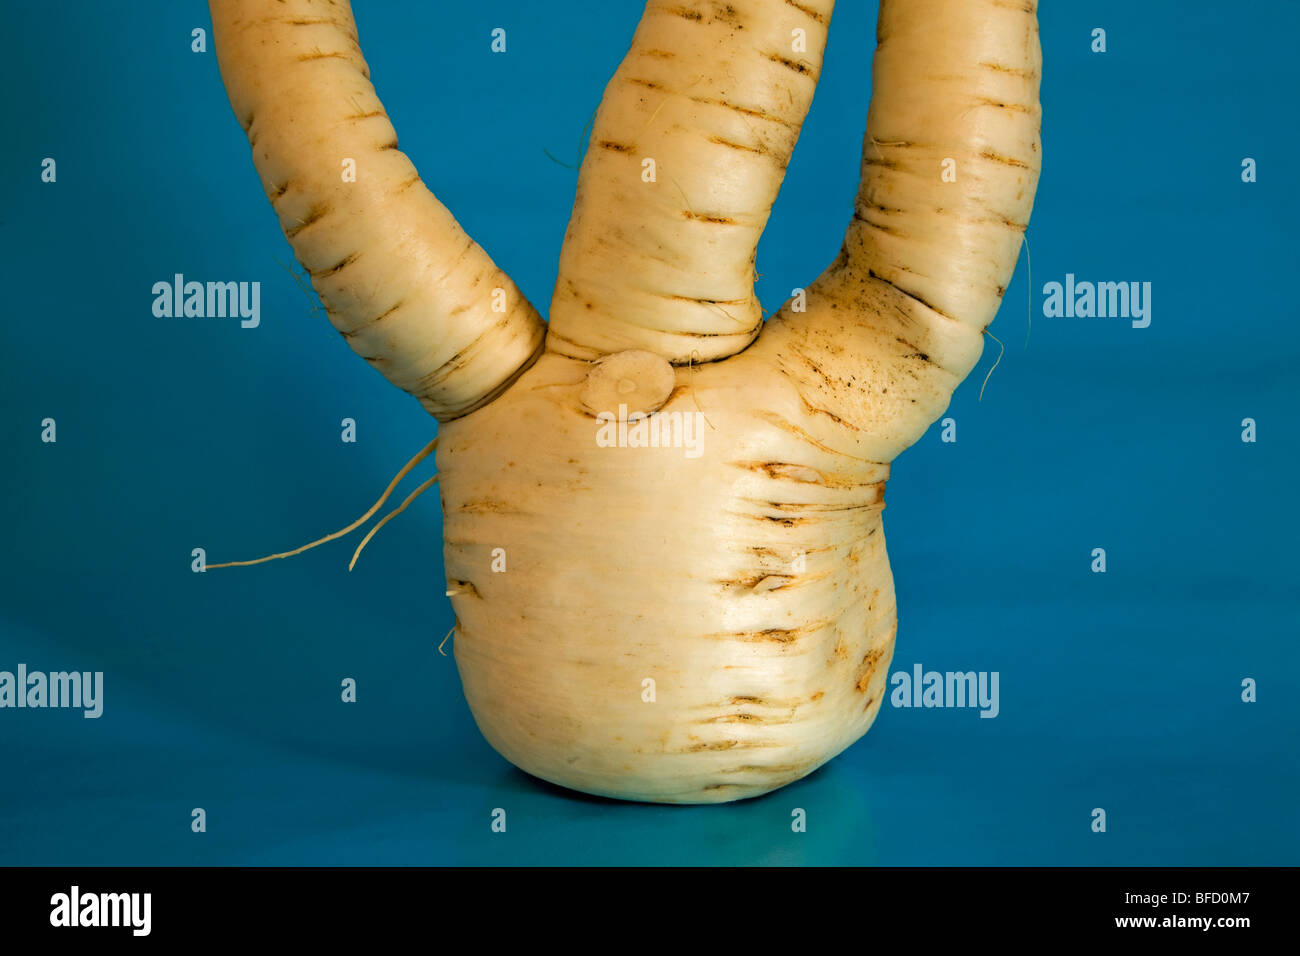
760 602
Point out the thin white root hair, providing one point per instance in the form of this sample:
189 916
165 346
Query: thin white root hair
995 361
406 470
389 517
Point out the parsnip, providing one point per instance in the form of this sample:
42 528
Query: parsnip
714 617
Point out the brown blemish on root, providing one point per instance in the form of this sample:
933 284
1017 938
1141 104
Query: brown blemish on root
487 506
760 150
1011 70
871 204
312 22
696 299
337 267
377 319
803 474
616 147
1014 107
808 12
817 410
868 668
314 214
782 556
302 57
780 769
811 509
747 111
731 719
782 520
778 635
691 360
709 217
760 582
887 230
715 745
802 68
1004 160
774 419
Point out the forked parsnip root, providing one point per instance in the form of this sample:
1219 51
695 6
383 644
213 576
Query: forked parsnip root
409 290
663 540
707 106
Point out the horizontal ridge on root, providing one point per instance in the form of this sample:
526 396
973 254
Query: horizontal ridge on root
911 295
779 635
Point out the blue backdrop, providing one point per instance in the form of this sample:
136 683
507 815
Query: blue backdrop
1119 690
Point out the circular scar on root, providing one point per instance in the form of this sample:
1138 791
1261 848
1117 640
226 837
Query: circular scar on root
638 379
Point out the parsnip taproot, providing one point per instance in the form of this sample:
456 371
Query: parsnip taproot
663 537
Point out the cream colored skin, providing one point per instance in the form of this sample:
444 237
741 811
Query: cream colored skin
749 582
